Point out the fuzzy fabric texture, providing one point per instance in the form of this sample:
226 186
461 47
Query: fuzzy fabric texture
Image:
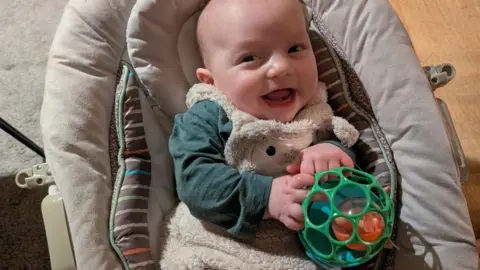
193 244
246 148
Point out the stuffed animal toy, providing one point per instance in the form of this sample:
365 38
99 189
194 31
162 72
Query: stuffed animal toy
268 146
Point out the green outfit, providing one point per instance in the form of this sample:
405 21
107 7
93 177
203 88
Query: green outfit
213 190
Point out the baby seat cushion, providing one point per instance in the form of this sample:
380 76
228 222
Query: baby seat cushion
130 218
375 80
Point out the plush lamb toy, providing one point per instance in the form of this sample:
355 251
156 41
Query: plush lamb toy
266 147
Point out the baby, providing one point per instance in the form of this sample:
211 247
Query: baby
259 55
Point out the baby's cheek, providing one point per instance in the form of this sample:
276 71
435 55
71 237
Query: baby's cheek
239 99
253 106
249 106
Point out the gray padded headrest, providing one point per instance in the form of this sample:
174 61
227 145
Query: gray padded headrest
162 47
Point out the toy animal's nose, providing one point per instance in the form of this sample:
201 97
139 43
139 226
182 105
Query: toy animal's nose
290 156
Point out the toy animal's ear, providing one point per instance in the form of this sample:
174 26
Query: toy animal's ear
324 132
240 118
238 150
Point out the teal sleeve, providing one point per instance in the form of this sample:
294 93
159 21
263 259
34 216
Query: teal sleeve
212 190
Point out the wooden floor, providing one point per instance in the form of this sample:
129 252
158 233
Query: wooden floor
449 31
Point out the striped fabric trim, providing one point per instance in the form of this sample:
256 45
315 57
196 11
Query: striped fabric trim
374 155
133 172
129 217
371 159
128 211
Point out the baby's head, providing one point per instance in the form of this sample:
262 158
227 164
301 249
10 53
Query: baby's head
258 53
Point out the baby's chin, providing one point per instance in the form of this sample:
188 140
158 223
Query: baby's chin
264 112
283 117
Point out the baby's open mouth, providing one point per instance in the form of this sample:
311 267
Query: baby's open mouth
279 97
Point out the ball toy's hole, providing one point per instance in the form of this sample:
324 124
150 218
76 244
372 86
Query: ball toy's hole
329 183
342 228
353 206
319 209
370 226
347 254
379 197
350 199
328 180
357 177
319 242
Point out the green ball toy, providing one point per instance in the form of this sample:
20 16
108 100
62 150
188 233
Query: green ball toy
348 219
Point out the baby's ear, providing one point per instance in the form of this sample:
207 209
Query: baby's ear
204 76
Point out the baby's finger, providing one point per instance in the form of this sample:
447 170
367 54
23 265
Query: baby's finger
299 195
347 161
295 211
307 166
318 196
301 181
292 224
332 164
347 173
294 167
321 166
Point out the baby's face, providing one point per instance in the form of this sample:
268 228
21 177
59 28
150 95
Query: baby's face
258 53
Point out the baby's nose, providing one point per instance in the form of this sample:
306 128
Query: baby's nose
279 66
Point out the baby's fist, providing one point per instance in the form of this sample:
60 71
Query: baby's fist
286 196
320 157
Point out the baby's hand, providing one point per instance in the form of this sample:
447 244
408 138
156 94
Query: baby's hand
319 158
286 196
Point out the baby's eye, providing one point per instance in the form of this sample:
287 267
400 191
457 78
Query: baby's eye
271 151
295 48
249 58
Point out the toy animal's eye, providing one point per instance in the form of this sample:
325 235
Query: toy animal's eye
270 151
